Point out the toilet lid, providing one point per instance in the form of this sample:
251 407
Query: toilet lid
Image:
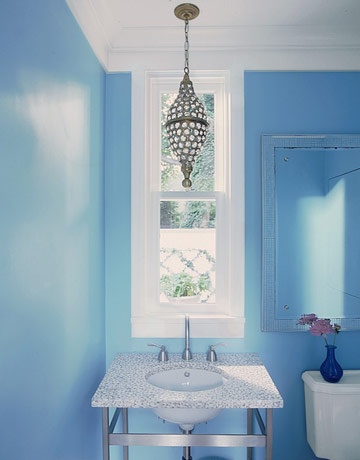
349 384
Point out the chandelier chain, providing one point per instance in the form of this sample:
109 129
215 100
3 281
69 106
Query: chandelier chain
186 47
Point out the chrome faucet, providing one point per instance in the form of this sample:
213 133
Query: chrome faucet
187 355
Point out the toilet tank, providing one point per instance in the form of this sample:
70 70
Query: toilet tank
333 415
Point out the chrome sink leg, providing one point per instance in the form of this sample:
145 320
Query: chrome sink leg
187 450
187 455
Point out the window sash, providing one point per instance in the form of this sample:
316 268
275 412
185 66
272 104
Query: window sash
221 244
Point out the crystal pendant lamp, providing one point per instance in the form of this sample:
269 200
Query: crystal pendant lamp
186 122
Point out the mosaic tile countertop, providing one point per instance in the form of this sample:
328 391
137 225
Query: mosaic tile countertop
247 383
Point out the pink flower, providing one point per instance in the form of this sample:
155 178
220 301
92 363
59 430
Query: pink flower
308 319
319 326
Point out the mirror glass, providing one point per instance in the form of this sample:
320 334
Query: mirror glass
311 230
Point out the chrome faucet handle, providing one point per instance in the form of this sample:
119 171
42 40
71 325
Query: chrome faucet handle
163 354
211 354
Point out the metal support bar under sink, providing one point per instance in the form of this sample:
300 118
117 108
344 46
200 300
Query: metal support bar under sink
248 440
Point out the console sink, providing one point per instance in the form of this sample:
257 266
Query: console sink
186 380
246 384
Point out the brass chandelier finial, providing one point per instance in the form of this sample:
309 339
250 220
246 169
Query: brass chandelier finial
186 123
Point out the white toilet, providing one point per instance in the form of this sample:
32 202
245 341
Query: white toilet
333 415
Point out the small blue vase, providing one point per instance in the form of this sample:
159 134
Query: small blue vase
330 369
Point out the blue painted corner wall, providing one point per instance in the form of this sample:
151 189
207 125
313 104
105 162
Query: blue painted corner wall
52 323
65 195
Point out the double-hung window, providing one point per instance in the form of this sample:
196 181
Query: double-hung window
182 254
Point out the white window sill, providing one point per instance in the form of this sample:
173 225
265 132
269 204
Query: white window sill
214 326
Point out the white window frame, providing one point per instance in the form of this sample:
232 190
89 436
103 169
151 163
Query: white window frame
148 317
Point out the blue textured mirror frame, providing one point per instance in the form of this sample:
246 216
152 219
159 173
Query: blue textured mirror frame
310 228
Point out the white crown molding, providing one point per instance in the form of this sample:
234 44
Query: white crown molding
260 60
142 39
162 47
88 21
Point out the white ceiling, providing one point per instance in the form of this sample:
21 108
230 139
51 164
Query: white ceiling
140 26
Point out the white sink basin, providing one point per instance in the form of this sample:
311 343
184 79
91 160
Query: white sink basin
186 380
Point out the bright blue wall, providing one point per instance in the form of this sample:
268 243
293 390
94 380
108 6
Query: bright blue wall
275 102
289 102
118 213
51 233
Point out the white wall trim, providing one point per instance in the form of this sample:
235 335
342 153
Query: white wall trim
307 47
272 58
144 39
201 327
